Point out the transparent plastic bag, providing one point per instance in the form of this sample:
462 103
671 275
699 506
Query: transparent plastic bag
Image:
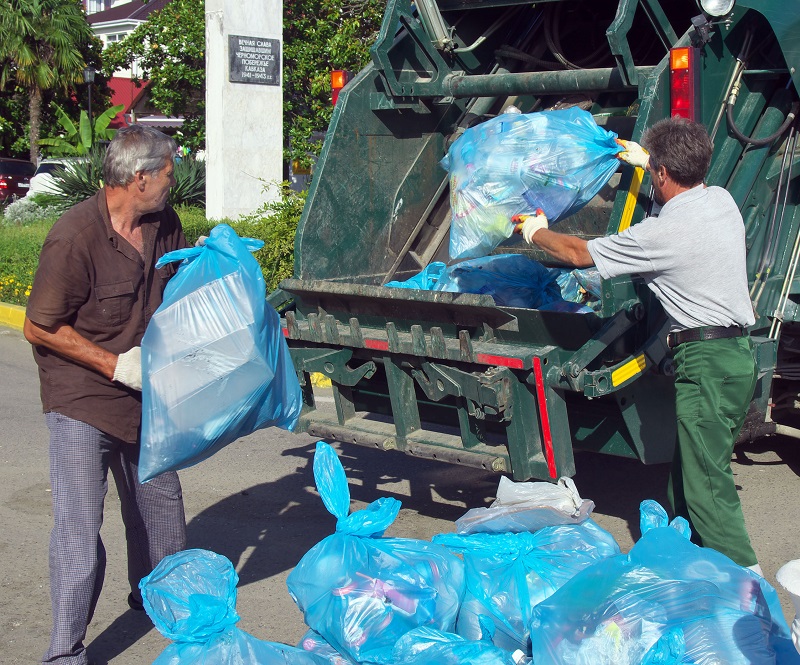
215 365
667 601
516 163
361 591
508 574
527 506
191 598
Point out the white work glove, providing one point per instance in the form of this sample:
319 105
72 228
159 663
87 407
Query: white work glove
200 241
129 368
528 225
634 154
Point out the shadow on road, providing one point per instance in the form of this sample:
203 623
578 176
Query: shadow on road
787 450
267 528
124 632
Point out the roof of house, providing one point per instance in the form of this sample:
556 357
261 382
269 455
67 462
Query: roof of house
124 91
136 10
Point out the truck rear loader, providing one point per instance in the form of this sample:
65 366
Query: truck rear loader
457 378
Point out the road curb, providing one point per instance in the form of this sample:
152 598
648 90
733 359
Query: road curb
12 316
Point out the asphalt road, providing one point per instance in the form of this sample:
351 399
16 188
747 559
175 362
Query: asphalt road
255 503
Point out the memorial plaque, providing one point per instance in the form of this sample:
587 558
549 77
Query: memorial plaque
254 60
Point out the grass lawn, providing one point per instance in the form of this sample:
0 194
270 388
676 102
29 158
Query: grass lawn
20 247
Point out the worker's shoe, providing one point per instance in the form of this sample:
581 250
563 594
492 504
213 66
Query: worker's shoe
134 603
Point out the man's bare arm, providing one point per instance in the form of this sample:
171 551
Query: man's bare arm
566 248
66 342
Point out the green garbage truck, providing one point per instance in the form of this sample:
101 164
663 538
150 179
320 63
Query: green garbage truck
458 378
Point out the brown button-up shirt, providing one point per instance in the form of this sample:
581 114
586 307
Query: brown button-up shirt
92 279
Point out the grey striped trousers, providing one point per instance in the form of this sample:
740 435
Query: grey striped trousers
153 515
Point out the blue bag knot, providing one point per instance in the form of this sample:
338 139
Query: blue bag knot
191 596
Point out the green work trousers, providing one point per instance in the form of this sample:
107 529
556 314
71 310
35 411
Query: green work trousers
714 383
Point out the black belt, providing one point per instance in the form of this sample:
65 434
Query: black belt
703 333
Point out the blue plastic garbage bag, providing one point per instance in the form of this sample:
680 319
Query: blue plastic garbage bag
667 601
508 574
428 646
361 591
314 642
191 598
513 280
215 364
516 163
425 280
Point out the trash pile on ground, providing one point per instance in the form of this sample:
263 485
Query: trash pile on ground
530 579
513 280
517 163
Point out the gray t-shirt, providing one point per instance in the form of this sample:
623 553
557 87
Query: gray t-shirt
692 256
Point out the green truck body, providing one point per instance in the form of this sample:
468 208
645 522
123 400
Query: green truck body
453 376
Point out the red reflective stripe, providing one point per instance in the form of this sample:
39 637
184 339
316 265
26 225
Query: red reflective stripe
488 359
542 403
285 332
376 344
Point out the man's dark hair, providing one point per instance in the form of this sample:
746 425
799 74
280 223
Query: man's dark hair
682 147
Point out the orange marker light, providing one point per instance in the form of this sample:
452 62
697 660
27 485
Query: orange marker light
339 79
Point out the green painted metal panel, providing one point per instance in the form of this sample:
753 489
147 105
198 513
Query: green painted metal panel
784 19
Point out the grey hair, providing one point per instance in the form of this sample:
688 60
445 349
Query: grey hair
136 149
682 147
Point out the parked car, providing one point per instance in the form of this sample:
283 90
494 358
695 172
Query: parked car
15 178
42 180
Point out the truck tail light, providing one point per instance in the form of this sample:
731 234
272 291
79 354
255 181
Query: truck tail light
684 83
339 79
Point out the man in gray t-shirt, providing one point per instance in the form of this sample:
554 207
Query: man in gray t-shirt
693 257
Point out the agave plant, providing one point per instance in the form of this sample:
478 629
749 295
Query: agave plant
80 140
82 179
190 183
78 181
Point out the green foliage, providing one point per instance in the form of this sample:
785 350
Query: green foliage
78 140
14 140
194 222
170 51
190 183
320 36
275 223
14 107
41 48
19 255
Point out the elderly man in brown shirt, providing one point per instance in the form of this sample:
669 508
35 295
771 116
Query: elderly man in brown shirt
94 292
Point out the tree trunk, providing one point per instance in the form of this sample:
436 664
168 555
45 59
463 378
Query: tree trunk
35 116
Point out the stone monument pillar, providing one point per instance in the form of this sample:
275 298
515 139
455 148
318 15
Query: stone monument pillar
244 105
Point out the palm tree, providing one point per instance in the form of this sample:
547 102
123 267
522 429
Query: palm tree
40 49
